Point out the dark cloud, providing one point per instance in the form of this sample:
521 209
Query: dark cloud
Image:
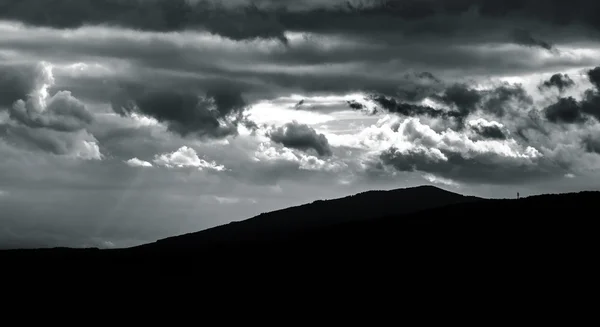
489 131
355 105
565 110
56 124
501 97
560 81
591 143
369 52
419 86
569 110
407 109
15 83
301 137
215 114
62 112
23 90
79 144
460 100
299 104
525 38
157 15
590 104
198 84
475 168
594 76
269 19
461 97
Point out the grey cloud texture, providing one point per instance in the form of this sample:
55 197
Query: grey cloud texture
187 107
16 81
63 112
489 130
525 38
214 114
570 110
302 137
495 158
594 76
565 110
560 81
459 101
55 124
442 153
465 169
247 19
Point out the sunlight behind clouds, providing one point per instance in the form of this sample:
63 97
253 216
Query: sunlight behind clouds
267 113
132 121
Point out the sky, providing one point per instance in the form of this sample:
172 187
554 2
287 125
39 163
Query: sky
126 121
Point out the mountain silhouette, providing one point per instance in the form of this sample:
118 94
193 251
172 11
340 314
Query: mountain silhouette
285 223
422 243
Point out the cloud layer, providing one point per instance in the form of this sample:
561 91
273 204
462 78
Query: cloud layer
123 121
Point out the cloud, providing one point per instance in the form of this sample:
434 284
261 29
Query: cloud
355 105
457 101
594 76
571 111
407 109
506 97
135 162
16 81
375 51
489 130
62 112
565 110
56 124
560 81
185 157
214 115
409 145
302 137
269 19
525 38
456 166
78 144
394 93
462 97
439 180
591 141
272 155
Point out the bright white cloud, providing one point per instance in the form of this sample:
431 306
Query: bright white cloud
142 120
185 157
409 133
135 162
269 153
440 180
88 151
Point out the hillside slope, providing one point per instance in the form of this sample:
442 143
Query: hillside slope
489 236
282 224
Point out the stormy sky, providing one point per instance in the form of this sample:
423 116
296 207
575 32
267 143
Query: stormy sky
126 121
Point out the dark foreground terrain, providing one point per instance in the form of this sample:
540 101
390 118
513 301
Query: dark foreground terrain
527 254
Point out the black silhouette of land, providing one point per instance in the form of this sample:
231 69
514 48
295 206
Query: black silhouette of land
411 223
532 252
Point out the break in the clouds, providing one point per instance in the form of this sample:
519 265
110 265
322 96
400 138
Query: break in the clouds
125 121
